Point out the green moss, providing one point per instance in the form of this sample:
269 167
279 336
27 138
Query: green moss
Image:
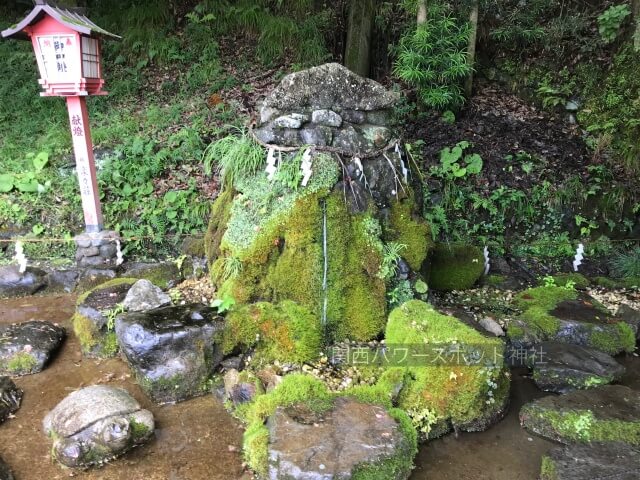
457 390
577 279
455 266
494 280
515 332
548 469
110 345
286 332
220 213
139 430
612 340
162 274
115 282
86 332
20 364
406 228
541 320
545 298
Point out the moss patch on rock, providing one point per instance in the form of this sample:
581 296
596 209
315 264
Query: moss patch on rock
466 388
22 363
454 266
576 279
286 332
407 228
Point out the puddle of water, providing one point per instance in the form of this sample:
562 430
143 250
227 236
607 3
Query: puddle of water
195 440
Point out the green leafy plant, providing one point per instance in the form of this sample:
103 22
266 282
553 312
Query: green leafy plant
626 264
223 304
610 21
112 314
432 58
454 163
391 254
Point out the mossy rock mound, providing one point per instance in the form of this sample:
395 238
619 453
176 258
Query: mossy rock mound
606 414
456 378
352 438
92 323
454 266
284 332
563 315
408 229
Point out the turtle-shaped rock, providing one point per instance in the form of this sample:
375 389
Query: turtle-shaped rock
96 424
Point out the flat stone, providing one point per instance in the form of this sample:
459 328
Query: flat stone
89 252
162 274
92 277
316 135
293 120
605 414
16 284
144 295
172 350
306 445
596 461
10 398
327 118
5 471
562 367
350 140
491 326
26 348
62 281
95 424
330 86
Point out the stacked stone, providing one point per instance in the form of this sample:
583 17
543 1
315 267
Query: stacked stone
97 250
342 111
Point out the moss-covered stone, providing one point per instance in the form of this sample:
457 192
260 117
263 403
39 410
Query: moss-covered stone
605 414
162 274
22 363
91 320
285 332
310 395
407 228
461 382
220 212
454 266
576 279
564 315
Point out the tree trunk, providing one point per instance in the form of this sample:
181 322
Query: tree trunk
471 48
422 12
635 10
358 50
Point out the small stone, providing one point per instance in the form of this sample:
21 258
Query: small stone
144 295
293 120
327 118
491 326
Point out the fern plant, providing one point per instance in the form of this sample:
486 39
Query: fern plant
391 255
432 58
234 155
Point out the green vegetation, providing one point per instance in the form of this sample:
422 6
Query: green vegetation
285 332
548 469
455 267
627 264
465 392
22 363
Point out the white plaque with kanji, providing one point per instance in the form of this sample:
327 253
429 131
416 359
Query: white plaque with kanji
58 57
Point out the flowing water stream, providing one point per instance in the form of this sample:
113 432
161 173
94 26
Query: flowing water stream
199 440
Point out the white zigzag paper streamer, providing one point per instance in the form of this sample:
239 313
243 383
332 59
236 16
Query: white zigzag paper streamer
271 164
20 257
306 167
487 262
577 261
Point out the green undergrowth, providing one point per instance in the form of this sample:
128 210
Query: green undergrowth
21 363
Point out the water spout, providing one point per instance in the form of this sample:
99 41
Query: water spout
325 269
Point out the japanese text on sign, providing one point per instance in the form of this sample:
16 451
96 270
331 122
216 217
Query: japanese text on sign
57 53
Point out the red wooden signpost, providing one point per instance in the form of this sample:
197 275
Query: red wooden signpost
67 46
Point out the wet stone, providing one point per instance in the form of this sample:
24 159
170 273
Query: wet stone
163 274
16 284
96 424
305 444
171 350
610 413
62 281
144 295
26 348
597 461
563 367
10 398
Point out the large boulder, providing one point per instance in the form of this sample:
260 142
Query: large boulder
606 414
596 461
14 283
10 398
563 367
458 378
94 320
564 315
342 442
144 295
172 350
27 347
96 424
5 471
